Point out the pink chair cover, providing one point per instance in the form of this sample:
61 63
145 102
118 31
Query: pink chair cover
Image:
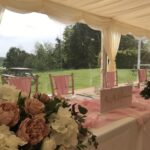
62 84
21 83
110 79
142 75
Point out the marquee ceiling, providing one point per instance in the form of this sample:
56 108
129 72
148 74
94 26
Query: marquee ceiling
133 12
124 15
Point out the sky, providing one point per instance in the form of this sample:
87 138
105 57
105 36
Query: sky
24 30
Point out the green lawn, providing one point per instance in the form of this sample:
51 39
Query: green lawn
83 78
126 75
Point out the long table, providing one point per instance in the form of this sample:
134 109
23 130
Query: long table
123 134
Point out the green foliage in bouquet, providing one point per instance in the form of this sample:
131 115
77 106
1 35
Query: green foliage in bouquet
146 91
45 123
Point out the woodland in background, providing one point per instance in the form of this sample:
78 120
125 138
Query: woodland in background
79 48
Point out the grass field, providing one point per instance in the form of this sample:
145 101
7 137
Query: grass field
83 78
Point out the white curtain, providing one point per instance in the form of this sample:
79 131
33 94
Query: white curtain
111 44
1 13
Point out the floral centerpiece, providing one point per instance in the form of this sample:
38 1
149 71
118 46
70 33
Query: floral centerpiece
42 123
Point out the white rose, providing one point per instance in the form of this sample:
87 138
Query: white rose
9 93
8 140
66 129
48 144
62 148
64 112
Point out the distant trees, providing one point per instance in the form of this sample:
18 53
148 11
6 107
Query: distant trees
58 55
127 54
128 42
81 43
1 61
43 56
126 58
15 58
79 48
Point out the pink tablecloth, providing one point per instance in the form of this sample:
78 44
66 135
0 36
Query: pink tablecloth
140 109
120 129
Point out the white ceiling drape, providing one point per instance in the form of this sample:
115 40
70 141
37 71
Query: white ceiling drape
97 14
1 13
56 11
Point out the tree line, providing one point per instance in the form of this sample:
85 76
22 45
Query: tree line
79 48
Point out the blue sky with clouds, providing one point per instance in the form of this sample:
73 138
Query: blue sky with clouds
24 30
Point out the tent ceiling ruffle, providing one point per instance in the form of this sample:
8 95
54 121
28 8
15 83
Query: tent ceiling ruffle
125 16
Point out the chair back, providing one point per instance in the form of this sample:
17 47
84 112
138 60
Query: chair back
62 84
111 79
21 83
142 75
36 82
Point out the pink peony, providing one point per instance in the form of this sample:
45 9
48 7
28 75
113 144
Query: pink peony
9 113
34 106
33 130
36 95
44 98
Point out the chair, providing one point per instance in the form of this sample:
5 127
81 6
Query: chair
111 79
4 80
62 84
142 76
36 82
21 83
35 79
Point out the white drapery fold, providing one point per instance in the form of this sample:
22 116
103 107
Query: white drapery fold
68 14
56 11
1 13
111 45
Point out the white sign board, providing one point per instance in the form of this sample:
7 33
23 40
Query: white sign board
117 97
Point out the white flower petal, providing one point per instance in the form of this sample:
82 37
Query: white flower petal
66 129
12 95
48 144
8 140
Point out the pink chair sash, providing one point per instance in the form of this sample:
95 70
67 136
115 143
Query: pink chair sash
21 83
142 75
110 79
62 84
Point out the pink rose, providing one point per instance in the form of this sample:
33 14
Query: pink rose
36 95
44 98
9 113
34 106
33 130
